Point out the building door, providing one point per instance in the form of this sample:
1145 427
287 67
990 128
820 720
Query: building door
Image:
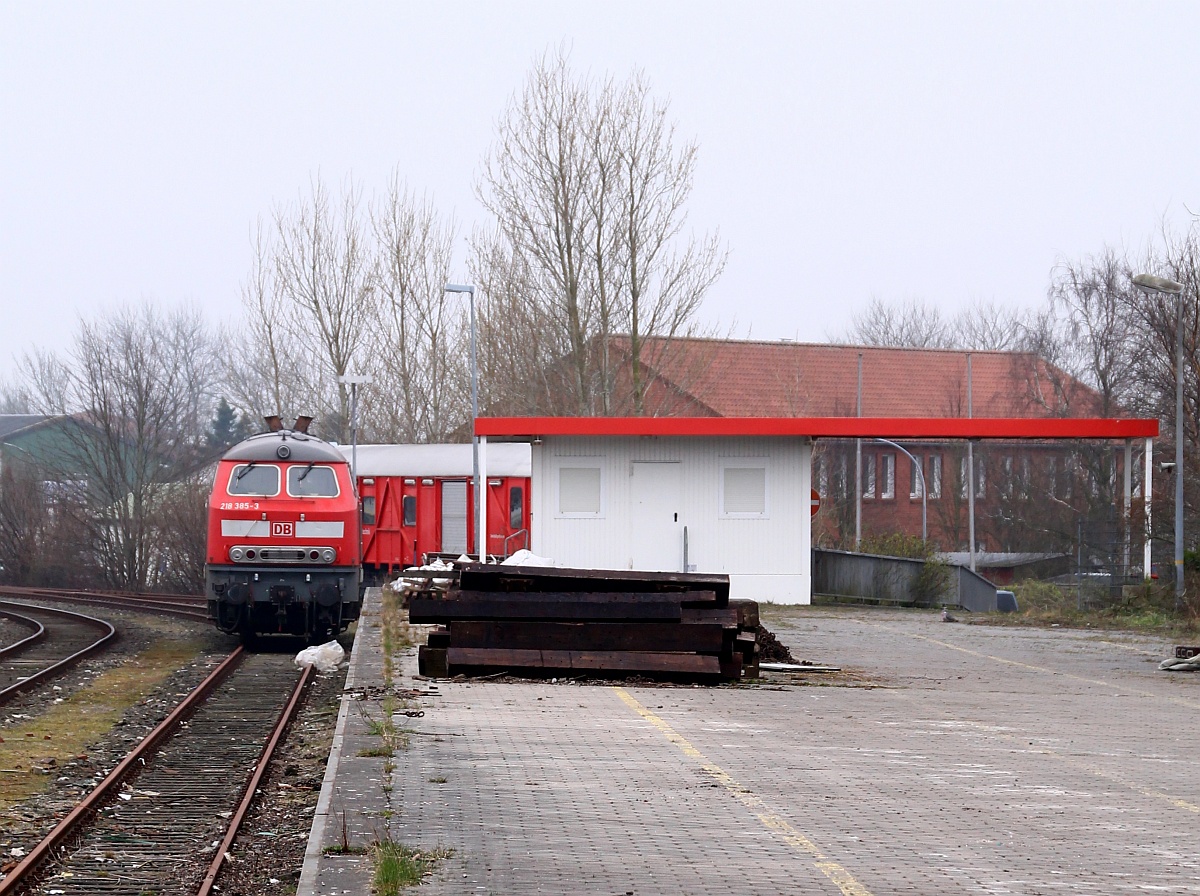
656 530
454 516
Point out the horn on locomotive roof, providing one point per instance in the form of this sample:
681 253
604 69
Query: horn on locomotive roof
302 423
274 424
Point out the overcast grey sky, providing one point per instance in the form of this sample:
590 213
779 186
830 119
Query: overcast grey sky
946 151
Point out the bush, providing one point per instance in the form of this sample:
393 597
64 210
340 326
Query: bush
897 544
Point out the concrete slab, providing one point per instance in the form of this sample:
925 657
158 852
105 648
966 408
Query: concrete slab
953 758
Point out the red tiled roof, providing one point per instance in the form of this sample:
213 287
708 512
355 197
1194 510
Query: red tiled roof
743 378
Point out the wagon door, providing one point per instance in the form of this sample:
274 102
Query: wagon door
454 516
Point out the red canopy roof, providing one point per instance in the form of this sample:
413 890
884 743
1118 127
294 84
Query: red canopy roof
824 427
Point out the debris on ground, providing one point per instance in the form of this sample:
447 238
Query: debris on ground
1180 664
770 650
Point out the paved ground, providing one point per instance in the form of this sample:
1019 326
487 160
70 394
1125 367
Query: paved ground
954 759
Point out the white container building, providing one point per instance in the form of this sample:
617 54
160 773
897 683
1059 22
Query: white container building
726 495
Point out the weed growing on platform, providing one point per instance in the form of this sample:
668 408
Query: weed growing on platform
376 752
398 866
397 633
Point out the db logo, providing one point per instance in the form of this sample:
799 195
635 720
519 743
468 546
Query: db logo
287 530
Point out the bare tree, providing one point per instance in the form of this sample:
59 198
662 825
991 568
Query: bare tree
987 326
308 304
180 523
661 282
1093 297
536 182
419 332
588 189
14 399
24 521
134 390
910 324
270 370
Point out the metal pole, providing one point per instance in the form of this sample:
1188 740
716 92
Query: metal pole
1178 449
1148 283
1148 506
1079 563
858 467
1128 491
480 497
970 472
353 429
354 380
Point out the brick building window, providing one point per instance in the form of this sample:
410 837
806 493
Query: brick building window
933 476
980 478
914 480
869 476
887 470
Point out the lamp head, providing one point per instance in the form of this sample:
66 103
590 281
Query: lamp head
1150 283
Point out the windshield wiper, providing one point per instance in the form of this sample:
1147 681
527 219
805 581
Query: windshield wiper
245 470
307 470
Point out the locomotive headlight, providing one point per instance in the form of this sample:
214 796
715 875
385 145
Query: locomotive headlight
327 555
236 554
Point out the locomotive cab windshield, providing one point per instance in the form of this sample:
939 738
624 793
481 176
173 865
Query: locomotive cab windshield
311 481
258 480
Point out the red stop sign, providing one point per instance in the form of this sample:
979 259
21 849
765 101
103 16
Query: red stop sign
815 502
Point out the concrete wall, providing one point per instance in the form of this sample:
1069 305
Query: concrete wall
894 579
765 555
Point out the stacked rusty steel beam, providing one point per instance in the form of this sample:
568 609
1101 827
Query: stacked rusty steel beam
587 622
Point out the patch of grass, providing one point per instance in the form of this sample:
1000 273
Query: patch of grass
66 730
1142 608
398 866
376 752
397 633
440 779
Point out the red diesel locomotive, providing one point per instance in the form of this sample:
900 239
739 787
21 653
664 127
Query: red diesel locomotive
284 550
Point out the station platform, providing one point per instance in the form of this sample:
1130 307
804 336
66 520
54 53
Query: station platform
948 759
532 787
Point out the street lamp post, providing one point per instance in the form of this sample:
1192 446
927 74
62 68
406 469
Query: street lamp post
354 381
1148 283
480 498
924 492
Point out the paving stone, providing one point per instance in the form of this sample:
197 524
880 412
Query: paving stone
960 758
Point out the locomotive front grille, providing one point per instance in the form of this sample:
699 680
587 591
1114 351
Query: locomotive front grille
246 553
280 555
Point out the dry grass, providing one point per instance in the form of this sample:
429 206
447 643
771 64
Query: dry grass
1147 608
34 747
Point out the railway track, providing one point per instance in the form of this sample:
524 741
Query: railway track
57 640
180 605
164 818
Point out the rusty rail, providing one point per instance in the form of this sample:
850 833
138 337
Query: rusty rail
18 877
183 606
260 770
39 632
57 668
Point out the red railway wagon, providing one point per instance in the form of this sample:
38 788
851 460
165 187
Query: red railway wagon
420 499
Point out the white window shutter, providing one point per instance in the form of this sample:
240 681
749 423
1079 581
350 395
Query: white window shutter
745 490
579 490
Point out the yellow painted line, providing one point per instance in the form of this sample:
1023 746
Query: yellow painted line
1182 701
842 878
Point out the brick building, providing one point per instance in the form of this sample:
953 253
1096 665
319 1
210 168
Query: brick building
1031 497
